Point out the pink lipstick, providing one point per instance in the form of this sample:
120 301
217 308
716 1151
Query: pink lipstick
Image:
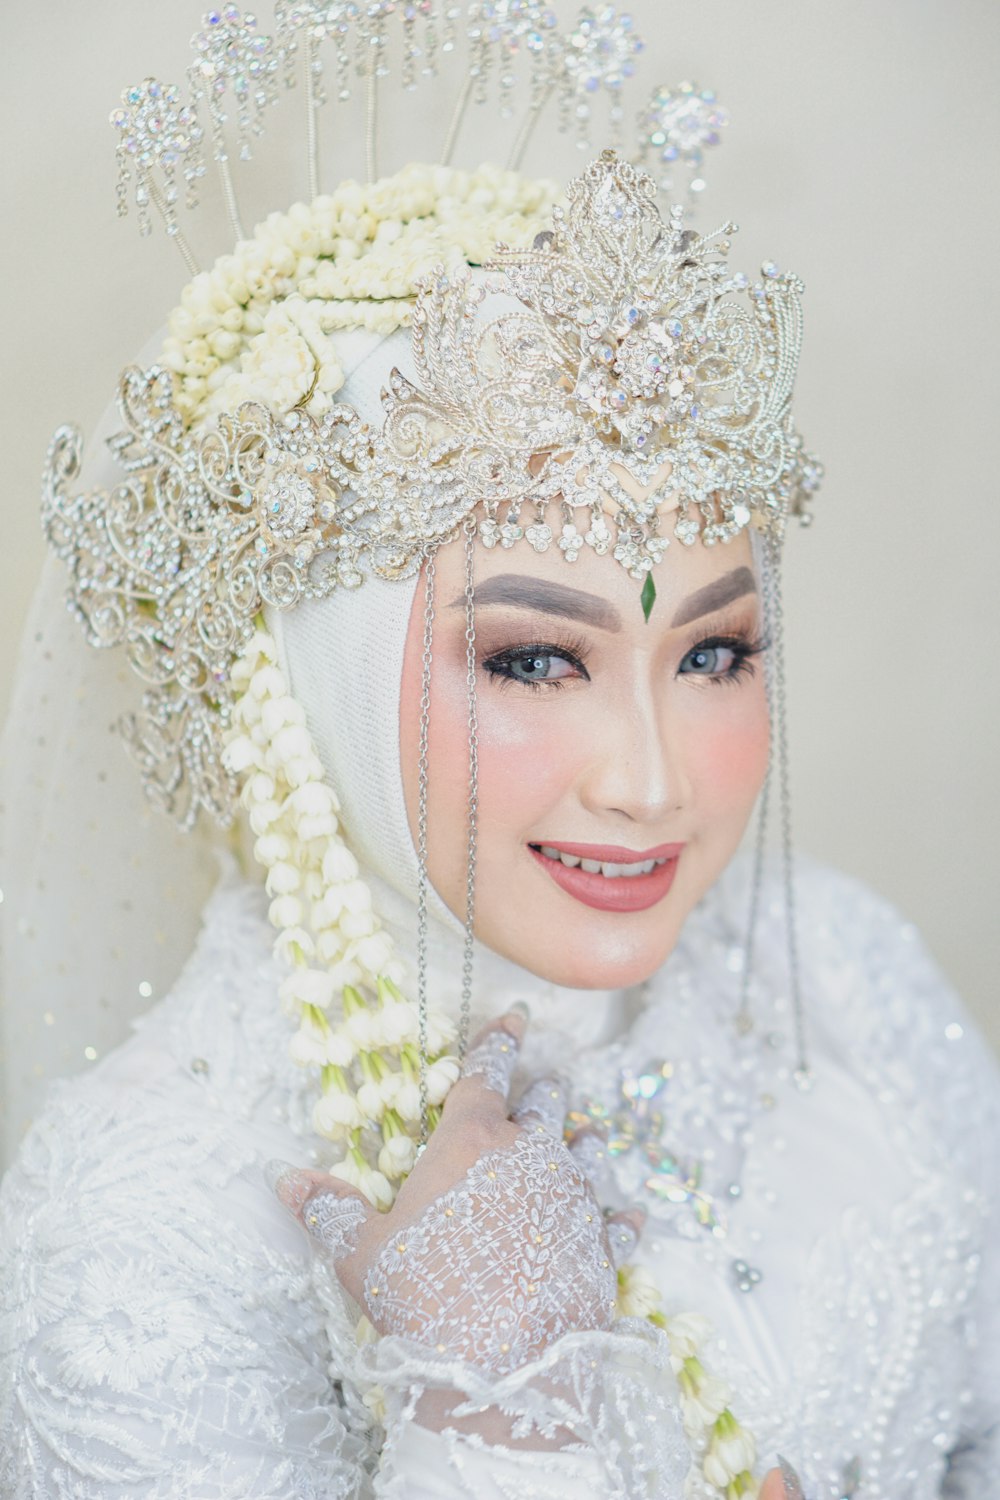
609 877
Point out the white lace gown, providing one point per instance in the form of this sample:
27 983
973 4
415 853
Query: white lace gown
166 1331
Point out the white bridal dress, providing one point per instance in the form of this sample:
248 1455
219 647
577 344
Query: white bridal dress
166 1331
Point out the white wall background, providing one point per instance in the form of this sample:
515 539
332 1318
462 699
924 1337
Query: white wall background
863 153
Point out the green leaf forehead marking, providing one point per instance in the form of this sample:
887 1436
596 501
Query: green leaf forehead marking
648 596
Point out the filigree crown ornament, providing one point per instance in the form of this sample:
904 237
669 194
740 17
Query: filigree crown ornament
601 351
625 347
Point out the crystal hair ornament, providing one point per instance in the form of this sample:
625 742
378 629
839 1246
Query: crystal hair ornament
509 29
233 57
599 57
360 36
634 347
633 352
237 67
676 127
158 133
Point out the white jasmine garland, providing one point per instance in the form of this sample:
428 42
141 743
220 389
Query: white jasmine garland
727 1452
257 325
366 1048
356 1028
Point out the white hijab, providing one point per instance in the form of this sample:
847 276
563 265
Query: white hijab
101 897
343 657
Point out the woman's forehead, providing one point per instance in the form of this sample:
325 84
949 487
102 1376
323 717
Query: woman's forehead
505 575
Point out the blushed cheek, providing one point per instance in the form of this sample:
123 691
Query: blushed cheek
729 762
526 760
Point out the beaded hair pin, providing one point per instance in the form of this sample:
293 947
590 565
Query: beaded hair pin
238 71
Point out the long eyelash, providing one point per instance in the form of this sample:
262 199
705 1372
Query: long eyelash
745 648
574 649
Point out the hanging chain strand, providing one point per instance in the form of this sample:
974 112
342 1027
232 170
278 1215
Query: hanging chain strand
802 1072
422 779
465 1015
744 1017
312 122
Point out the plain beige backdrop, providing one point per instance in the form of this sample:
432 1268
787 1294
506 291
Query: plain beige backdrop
863 154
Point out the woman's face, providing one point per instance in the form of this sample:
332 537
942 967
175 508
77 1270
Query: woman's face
604 741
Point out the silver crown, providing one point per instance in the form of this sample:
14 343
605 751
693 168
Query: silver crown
627 359
630 345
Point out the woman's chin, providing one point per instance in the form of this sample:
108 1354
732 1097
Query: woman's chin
600 954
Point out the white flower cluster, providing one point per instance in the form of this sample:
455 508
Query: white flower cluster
726 1451
350 259
355 1025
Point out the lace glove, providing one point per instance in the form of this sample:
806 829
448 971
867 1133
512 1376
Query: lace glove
496 1245
492 1283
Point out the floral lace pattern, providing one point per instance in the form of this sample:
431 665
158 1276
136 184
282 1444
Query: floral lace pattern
596 1415
493 1060
164 1329
506 1263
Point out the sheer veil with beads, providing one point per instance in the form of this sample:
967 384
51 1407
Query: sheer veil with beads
103 897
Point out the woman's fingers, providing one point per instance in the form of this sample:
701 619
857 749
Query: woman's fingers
624 1230
589 1150
541 1108
489 1065
331 1210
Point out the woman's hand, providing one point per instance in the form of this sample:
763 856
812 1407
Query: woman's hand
495 1246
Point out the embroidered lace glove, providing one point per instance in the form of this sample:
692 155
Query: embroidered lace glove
496 1246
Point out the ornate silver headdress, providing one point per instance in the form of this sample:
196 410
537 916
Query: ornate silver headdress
620 343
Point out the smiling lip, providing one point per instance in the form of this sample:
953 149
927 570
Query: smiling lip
611 892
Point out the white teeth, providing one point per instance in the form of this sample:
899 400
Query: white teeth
609 870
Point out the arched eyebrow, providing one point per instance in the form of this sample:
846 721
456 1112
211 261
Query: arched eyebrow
517 591
715 595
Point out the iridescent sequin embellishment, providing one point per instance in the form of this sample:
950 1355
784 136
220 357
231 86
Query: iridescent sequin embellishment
639 1123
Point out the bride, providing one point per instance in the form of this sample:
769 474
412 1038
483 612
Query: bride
551 1148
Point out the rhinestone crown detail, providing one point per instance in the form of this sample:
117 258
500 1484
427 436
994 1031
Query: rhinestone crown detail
610 386
624 348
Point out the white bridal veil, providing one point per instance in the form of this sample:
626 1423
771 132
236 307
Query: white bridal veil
102 896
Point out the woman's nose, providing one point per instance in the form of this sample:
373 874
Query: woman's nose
637 766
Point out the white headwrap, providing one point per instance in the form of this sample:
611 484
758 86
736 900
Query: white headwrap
343 657
102 896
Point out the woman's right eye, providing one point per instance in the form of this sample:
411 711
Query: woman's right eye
534 665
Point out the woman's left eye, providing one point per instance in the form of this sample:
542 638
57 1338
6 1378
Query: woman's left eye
718 659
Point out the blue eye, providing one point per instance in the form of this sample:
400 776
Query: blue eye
539 668
709 661
722 659
535 666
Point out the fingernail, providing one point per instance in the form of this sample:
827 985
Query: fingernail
793 1484
277 1174
520 1008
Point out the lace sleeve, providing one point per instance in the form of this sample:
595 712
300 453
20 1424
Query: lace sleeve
158 1333
164 1331
595 1417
